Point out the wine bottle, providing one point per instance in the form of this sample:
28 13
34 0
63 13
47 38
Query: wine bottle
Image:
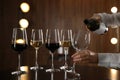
96 26
92 24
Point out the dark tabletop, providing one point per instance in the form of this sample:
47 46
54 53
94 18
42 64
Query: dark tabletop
87 72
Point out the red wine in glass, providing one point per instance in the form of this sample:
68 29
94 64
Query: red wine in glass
52 46
19 47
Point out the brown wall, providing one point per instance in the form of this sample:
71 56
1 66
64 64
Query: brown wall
51 14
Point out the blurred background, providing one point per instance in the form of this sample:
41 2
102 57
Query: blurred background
52 14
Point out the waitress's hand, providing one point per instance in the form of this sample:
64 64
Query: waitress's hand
96 17
85 56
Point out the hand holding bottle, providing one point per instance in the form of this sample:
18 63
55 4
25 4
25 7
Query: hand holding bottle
95 24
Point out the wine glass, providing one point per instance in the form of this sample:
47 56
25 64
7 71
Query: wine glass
65 42
19 43
52 44
36 42
80 41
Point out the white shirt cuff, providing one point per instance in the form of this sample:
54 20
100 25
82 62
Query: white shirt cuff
109 60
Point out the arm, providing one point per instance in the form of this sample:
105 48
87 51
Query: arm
100 22
109 60
108 19
102 59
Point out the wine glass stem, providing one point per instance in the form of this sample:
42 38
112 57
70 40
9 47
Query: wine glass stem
36 57
19 64
36 64
65 75
73 67
52 76
36 75
52 60
19 78
52 66
66 53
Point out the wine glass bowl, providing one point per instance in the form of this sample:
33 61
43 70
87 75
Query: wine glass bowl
36 38
19 44
80 39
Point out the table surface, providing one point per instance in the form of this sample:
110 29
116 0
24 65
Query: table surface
86 73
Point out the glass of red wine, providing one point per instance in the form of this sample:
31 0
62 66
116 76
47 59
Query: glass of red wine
52 44
19 44
36 42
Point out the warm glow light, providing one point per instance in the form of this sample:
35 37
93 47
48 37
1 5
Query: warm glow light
25 7
24 23
114 9
114 40
26 75
113 74
20 41
24 68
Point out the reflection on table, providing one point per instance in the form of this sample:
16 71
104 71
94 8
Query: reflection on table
87 72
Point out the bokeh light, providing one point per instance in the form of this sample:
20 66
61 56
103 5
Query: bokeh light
24 23
114 9
114 41
25 7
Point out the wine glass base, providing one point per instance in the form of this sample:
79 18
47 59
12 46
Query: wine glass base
73 76
65 68
18 72
52 70
73 79
36 68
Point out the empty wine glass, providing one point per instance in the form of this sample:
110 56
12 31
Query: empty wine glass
80 41
36 42
19 43
52 44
